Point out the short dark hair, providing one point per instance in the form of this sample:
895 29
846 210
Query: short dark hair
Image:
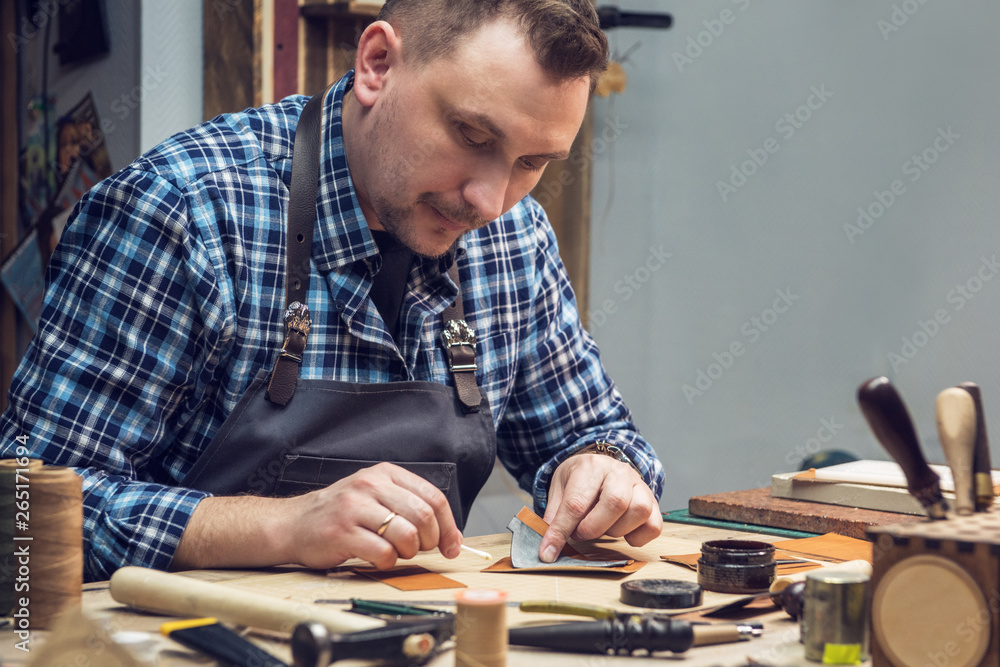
565 35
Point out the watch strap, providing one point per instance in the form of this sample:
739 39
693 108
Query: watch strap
607 449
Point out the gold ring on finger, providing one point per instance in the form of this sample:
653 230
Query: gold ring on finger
385 524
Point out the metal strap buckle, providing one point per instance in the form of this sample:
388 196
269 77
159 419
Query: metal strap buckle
285 354
457 333
297 318
297 321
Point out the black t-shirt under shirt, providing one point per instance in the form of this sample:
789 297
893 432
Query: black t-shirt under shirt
389 285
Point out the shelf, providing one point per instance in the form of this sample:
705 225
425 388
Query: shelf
339 9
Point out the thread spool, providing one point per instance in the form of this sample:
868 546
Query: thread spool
481 628
9 469
787 591
55 548
835 625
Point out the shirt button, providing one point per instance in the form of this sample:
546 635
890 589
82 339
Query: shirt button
340 306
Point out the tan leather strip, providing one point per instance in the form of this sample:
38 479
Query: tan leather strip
409 578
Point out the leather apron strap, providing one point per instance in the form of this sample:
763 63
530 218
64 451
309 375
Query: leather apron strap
460 347
298 244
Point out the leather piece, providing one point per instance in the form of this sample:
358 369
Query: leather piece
526 542
410 578
527 528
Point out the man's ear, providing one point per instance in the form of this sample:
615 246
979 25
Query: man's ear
379 50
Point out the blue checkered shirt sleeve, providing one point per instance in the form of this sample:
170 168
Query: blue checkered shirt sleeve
564 398
123 359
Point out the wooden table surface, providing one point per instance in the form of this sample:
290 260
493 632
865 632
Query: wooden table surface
778 646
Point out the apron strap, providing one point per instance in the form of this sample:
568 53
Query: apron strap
460 346
298 243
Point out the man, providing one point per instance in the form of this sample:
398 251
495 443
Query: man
168 291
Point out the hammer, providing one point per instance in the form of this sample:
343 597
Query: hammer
322 635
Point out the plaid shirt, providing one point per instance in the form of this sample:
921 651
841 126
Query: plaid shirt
166 296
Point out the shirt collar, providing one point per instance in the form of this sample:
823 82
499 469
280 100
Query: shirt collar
341 236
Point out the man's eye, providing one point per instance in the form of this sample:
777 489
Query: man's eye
532 165
473 138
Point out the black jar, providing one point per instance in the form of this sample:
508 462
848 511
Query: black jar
736 566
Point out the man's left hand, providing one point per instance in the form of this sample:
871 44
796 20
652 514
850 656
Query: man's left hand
593 495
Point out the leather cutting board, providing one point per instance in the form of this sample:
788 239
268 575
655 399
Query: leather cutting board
756 506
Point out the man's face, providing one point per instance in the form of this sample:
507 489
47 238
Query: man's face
459 141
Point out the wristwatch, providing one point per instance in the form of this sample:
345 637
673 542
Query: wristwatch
607 449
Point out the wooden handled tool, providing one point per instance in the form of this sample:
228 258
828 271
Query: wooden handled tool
981 466
177 595
891 423
956 423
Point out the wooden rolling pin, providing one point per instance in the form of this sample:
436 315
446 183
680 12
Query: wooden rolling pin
177 595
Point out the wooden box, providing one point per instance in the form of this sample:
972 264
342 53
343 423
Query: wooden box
936 593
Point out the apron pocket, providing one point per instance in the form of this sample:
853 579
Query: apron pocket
301 474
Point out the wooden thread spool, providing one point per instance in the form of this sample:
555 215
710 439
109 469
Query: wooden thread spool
55 526
481 628
9 469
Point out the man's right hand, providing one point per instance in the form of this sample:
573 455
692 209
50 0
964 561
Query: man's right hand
323 528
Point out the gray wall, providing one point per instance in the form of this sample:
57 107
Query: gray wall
826 106
172 72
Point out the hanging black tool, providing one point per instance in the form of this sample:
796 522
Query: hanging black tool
612 17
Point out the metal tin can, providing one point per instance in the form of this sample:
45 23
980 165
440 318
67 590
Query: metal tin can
736 566
836 617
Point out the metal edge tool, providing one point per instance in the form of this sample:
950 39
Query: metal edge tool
982 467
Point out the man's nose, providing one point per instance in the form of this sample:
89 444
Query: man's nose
486 192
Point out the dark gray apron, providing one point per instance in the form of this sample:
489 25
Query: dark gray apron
288 436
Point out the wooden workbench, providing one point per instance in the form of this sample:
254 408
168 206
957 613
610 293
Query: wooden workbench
777 647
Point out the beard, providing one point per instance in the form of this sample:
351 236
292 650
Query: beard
398 220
